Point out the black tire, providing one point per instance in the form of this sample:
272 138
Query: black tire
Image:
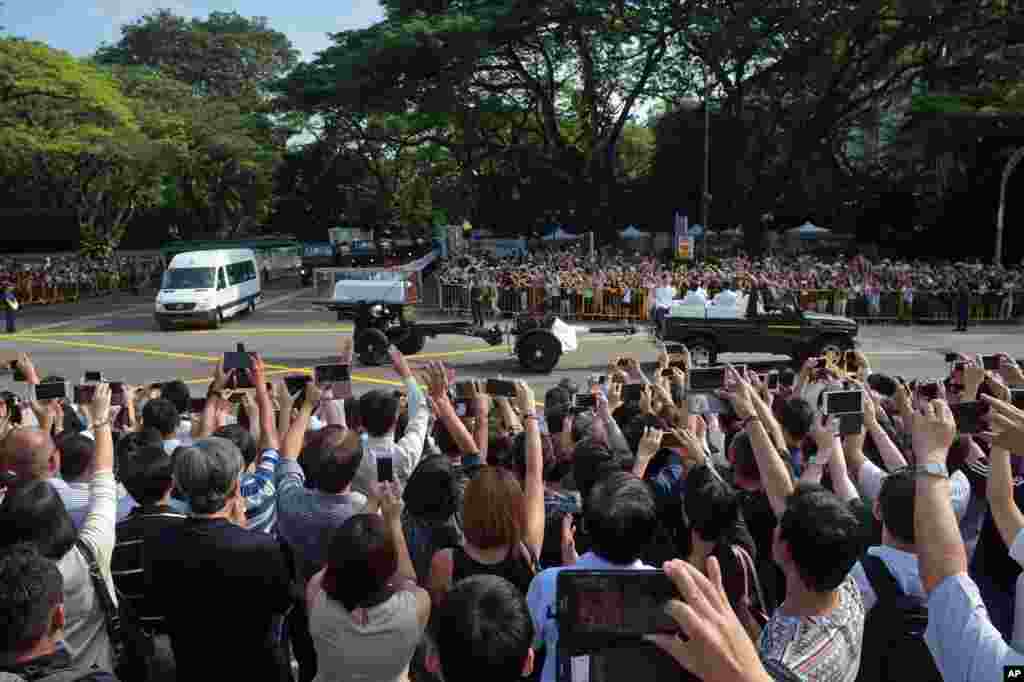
341 316
411 343
371 345
539 351
832 344
217 319
703 352
163 325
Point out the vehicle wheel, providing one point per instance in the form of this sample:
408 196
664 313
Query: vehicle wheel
371 345
163 325
539 351
832 344
702 352
217 320
341 316
266 275
412 343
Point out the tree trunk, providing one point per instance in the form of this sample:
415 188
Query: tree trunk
1012 164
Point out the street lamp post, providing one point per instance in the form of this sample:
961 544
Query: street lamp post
706 194
1011 165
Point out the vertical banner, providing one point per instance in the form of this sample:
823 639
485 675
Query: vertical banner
684 248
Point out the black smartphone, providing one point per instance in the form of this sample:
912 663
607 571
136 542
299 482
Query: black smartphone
296 383
850 424
969 416
990 363
94 376
196 405
1017 398
385 470
18 374
324 375
83 394
501 388
952 357
632 392
596 609
675 348
584 401
882 384
668 373
929 391
117 394
773 381
705 379
57 390
464 390
844 402
237 360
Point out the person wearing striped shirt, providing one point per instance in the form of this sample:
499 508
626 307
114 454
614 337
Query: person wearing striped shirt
258 487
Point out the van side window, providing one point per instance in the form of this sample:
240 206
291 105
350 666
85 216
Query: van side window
221 284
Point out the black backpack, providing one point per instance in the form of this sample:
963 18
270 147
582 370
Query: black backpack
893 646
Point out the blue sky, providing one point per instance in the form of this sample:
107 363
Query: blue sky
80 26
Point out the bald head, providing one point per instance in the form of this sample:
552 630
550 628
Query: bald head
31 454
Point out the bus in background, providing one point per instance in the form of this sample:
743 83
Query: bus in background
277 256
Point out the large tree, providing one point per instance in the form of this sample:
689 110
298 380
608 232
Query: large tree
71 140
575 70
225 55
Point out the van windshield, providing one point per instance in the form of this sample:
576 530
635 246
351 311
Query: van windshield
189 278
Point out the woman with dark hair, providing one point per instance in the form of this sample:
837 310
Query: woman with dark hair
366 612
34 513
502 520
712 513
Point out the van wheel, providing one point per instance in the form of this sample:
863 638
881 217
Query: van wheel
217 320
371 345
252 306
163 325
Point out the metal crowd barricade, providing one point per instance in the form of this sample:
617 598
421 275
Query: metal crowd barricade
605 304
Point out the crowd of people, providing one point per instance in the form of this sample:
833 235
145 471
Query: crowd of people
58 278
426 532
842 285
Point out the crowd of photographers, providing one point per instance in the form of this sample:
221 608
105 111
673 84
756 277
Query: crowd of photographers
831 524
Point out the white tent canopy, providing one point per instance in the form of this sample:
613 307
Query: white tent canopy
560 234
809 229
632 233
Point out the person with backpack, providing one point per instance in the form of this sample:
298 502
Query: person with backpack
894 598
32 621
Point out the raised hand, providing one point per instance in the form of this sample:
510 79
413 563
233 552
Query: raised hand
932 431
717 646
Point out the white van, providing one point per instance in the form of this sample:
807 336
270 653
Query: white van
208 286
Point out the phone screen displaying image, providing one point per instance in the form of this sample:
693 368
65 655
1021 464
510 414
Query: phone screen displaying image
706 380
844 402
329 374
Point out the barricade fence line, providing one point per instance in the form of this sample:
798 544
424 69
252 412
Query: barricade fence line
31 291
612 304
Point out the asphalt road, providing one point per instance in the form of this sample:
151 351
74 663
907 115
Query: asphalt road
118 337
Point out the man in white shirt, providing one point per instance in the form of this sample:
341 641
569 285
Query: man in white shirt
379 410
727 298
895 509
663 296
966 646
620 519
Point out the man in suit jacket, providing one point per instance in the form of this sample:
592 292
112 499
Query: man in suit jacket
11 306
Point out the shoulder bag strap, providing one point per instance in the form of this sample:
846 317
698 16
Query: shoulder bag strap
750 577
110 613
882 581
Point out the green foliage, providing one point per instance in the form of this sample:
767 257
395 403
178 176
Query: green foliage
225 55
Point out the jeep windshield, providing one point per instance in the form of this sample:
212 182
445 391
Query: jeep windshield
189 278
